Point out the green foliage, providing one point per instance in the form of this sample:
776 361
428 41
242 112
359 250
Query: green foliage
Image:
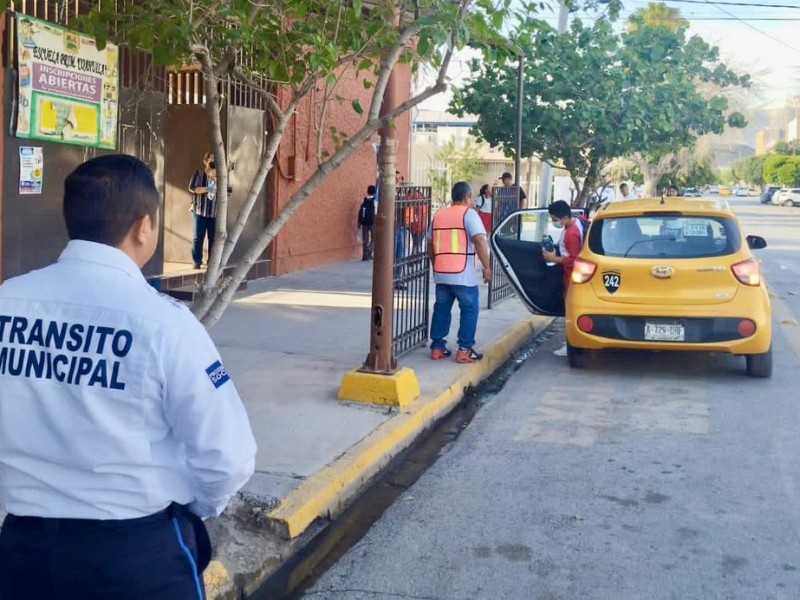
697 174
658 14
792 148
783 170
750 170
592 95
461 163
293 42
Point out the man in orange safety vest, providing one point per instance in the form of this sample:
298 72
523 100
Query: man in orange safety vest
456 237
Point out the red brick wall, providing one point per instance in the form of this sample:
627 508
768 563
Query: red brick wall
323 231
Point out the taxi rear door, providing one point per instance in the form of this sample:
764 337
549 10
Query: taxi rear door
517 245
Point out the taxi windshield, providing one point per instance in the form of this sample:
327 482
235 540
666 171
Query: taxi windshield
665 236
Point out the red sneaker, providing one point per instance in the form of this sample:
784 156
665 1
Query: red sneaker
440 353
468 355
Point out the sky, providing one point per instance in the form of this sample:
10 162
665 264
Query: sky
753 37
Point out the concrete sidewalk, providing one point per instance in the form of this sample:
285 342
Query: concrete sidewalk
287 343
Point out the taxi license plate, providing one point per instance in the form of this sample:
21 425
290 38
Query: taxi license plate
663 332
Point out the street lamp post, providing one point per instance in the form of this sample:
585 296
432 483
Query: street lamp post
545 180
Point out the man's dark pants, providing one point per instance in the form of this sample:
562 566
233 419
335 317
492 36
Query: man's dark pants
366 242
203 226
153 558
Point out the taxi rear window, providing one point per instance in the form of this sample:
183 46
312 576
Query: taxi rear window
664 236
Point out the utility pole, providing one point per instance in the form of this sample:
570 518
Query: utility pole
380 358
379 380
545 180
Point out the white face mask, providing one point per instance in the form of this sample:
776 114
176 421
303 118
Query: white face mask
558 224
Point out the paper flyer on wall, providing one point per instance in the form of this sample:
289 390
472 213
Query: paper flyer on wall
68 89
31 170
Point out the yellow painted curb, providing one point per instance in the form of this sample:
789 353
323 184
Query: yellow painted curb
327 492
399 389
215 577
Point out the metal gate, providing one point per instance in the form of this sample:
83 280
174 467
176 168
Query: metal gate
411 268
505 200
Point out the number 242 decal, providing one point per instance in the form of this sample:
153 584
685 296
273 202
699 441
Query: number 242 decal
612 280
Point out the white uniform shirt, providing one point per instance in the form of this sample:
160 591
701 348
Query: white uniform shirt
113 399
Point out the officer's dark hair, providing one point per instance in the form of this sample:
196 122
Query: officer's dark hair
560 209
371 190
622 186
460 191
105 196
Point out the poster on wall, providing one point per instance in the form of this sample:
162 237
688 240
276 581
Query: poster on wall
31 169
68 89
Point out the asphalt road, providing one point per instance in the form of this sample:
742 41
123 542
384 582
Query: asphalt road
645 476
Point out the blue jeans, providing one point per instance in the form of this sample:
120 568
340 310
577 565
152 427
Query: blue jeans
469 305
203 226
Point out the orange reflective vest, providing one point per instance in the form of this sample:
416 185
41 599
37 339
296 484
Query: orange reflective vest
450 241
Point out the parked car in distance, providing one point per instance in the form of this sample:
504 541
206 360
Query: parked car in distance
670 274
766 196
724 190
714 189
692 192
787 197
740 192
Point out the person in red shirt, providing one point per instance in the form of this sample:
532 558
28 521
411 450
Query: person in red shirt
569 246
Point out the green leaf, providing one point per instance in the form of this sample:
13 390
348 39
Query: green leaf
357 107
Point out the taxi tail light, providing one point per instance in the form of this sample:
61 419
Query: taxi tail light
585 323
583 270
748 272
746 328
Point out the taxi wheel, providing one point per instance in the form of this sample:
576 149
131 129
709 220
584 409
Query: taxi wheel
760 365
576 357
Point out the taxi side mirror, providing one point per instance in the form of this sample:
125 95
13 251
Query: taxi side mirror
756 242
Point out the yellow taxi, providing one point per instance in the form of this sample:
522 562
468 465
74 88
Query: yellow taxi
654 274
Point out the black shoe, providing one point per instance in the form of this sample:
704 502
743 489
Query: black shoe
196 266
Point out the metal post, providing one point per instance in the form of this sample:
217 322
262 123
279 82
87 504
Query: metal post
520 92
380 358
545 180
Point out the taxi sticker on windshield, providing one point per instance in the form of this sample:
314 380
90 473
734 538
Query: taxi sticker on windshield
695 228
612 281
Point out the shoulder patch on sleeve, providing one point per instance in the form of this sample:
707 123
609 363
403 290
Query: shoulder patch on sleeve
218 375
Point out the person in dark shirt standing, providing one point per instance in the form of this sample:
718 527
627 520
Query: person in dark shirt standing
204 207
508 181
366 220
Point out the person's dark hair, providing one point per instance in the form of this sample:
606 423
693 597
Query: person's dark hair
622 186
105 196
560 209
371 190
484 189
460 191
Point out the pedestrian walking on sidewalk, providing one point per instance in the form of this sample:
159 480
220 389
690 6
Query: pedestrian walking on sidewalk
484 207
120 429
366 220
456 237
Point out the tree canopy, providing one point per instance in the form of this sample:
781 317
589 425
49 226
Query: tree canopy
592 95
284 50
783 170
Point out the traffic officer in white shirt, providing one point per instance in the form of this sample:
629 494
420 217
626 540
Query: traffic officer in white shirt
120 429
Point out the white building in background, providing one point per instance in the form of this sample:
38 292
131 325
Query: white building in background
432 130
793 130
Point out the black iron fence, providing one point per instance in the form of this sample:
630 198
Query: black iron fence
505 200
411 268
